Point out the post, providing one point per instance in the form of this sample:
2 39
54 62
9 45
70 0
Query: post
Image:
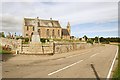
98 39
42 49
53 48
20 45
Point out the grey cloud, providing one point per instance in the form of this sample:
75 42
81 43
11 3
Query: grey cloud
11 23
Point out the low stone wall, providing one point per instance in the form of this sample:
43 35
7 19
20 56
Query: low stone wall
67 47
35 48
51 48
12 43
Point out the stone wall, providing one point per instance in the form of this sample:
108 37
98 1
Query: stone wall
52 48
68 47
12 43
36 48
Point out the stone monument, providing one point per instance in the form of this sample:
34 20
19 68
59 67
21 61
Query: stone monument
35 45
35 36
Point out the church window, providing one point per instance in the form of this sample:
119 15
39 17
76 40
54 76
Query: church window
27 28
53 33
47 32
33 29
39 31
38 24
58 32
26 34
31 33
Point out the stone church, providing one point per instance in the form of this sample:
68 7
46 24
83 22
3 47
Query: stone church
46 29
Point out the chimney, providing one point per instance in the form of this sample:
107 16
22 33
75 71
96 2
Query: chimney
50 18
37 17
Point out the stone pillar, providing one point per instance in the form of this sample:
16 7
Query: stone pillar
20 45
35 36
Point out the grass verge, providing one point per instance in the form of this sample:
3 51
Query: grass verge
116 73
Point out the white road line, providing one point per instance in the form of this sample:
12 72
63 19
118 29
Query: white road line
94 55
76 55
70 56
110 70
73 55
64 68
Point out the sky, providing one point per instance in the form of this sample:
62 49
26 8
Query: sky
91 18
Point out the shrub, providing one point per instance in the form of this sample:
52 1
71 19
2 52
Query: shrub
43 40
90 41
26 39
105 42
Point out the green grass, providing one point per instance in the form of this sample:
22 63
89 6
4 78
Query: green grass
4 51
116 73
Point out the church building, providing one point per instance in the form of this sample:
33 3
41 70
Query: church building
46 29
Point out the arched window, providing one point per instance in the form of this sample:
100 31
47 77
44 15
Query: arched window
58 32
47 32
53 33
39 31
38 24
33 28
26 34
27 28
31 33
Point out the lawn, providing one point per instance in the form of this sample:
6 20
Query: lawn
4 51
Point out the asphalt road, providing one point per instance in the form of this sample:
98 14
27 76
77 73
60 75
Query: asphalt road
72 66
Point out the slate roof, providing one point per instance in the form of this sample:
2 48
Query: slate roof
65 32
42 23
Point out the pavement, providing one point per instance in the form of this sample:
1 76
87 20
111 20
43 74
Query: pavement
86 63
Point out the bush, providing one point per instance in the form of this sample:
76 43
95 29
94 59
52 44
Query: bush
26 39
90 41
43 40
105 42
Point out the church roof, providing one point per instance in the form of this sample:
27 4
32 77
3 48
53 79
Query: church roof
65 32
42 22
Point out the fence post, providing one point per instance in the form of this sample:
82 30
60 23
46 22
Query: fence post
42 49
20 42
53 48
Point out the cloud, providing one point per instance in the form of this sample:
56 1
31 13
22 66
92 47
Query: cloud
11 23
75 12
97 31
60 0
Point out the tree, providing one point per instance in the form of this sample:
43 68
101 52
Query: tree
96 39
2 34
85 37
90 41
102 39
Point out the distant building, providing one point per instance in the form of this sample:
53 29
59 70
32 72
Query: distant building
46 29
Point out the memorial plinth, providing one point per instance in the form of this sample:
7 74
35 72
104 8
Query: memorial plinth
35 38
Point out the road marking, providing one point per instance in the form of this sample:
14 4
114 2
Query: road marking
76 55
94 55
64 68
71 56
110 70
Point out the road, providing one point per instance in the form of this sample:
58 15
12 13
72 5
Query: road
72 66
